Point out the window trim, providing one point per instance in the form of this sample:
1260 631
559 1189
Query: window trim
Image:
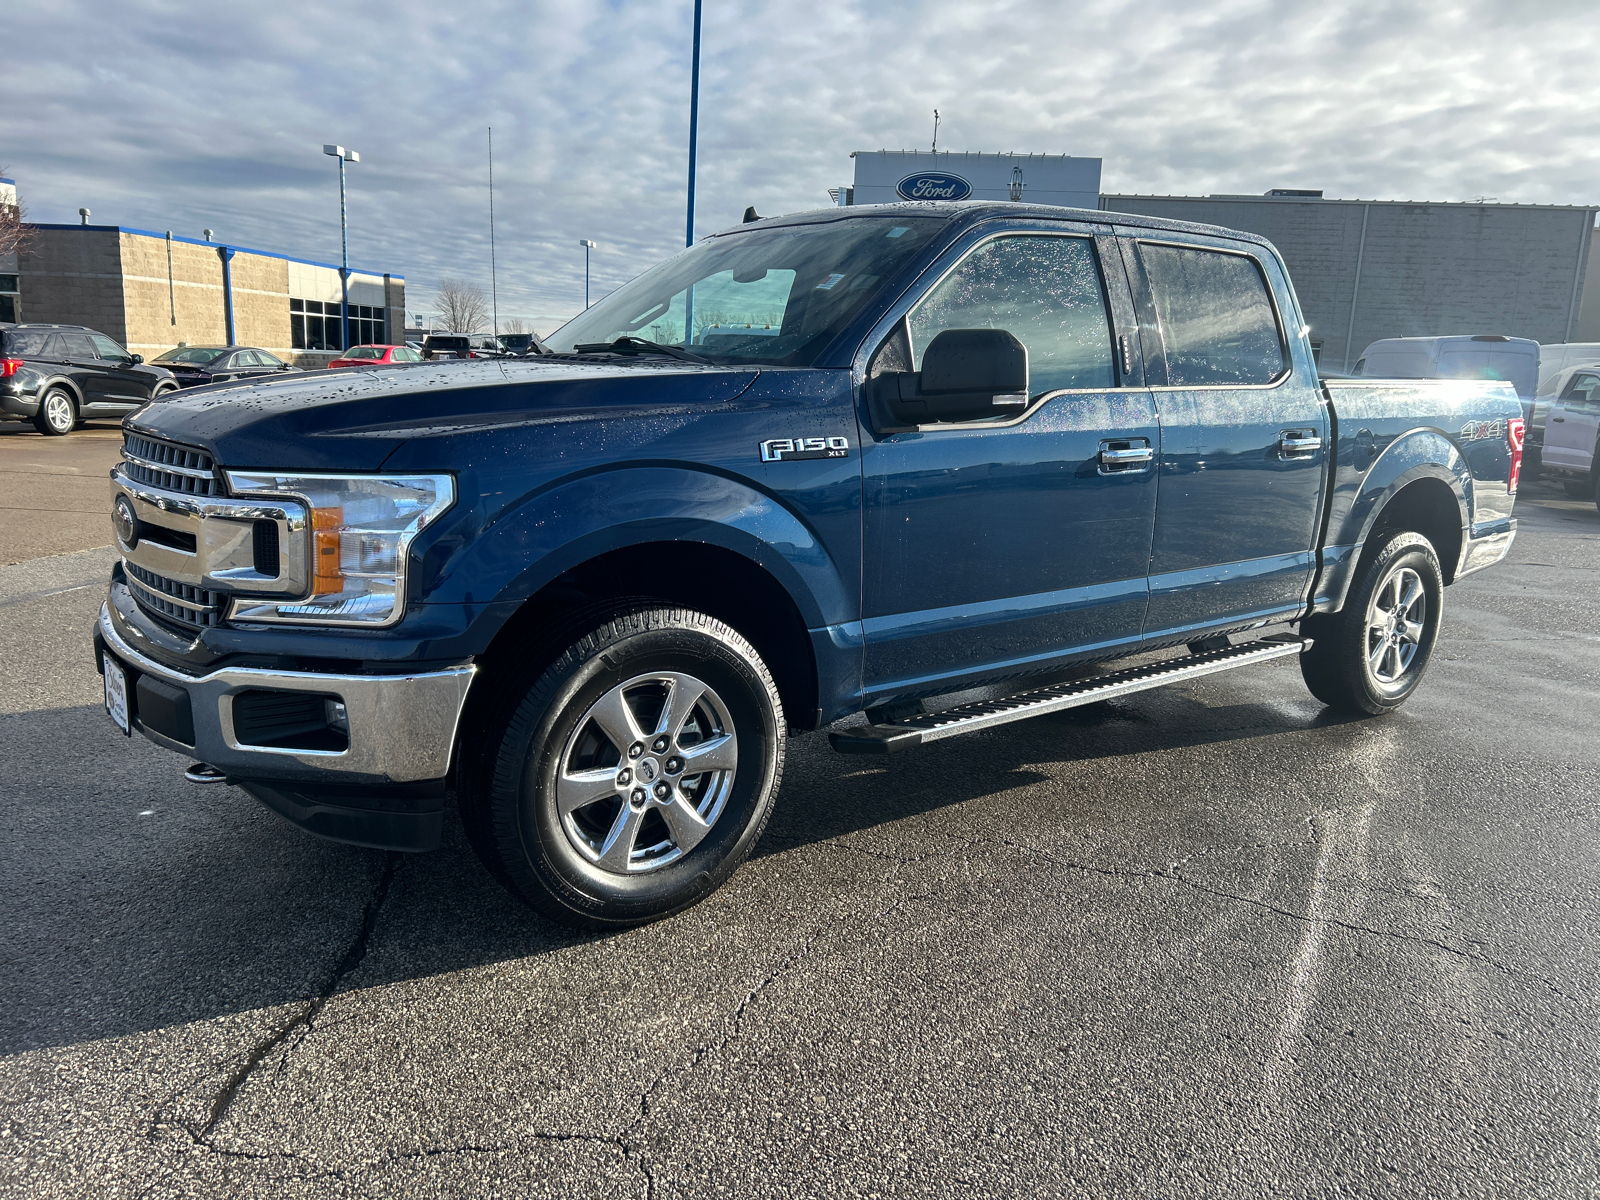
1284 348
924 285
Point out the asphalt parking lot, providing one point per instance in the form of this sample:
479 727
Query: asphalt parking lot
1207 941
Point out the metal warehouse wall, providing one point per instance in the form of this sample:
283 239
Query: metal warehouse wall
1409 269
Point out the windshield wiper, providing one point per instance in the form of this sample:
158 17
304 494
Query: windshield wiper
636 346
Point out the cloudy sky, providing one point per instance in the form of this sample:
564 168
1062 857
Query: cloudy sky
179 115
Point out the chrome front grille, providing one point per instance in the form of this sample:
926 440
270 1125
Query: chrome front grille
197 608
168 466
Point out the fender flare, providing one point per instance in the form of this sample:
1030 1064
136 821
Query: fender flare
1415 455
64 382
540 536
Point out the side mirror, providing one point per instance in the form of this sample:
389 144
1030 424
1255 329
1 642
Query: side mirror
967 375
136 359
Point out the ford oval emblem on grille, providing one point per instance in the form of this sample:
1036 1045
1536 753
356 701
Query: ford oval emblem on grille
124 524
933 185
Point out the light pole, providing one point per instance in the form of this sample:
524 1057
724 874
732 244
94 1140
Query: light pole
694 120
587 246
343 156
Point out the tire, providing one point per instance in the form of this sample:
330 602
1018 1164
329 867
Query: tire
57 414
602 834
1363 660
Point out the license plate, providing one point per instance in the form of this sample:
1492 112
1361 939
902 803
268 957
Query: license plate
117 693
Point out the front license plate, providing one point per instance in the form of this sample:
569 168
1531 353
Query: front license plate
117 693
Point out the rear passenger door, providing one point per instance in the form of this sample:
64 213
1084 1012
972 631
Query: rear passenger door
1003 546
1244 431
86 369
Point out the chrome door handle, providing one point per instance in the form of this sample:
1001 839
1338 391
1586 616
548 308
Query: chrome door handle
1294 443
1121 455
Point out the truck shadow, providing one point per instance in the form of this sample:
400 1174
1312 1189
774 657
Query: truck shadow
137 902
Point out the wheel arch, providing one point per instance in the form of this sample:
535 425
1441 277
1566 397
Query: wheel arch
1421 481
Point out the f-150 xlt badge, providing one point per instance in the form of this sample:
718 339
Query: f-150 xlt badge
794 449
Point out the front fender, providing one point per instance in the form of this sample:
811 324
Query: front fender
562 525
1417 454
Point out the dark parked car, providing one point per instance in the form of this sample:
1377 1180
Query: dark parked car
448 345
195 365
58 376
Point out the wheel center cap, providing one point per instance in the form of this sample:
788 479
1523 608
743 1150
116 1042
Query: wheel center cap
647 770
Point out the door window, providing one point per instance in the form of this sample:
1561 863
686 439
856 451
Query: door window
263 359
1045 291
108 349
1584 391
1218 326
79 347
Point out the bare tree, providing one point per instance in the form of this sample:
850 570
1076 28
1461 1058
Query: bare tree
462 306
515 325
15 235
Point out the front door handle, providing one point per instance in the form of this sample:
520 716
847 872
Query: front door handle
1559 420
1299 441
1125 454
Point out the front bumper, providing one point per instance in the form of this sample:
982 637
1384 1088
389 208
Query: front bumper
386 788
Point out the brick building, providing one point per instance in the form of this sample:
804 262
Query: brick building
8 262
1370 269
152 291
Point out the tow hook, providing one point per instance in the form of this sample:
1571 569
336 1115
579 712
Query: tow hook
204 773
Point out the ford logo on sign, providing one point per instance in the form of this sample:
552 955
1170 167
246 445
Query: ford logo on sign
934 185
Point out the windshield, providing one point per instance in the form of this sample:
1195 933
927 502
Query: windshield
775 296
364 352
199 355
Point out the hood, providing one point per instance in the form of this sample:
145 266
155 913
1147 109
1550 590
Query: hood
354 419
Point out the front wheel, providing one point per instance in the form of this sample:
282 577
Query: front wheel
1370 656
634 774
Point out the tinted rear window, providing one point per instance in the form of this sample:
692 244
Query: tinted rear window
447 343
27 343
364 352
1218 326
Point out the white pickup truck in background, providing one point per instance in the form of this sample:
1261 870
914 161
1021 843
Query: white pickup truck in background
1572 429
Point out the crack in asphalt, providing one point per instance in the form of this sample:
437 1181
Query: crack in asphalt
735 1023
302 1021
1172 875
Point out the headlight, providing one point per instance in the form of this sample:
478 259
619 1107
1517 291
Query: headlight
361 526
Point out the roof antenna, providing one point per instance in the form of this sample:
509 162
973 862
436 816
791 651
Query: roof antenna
750 214
936 131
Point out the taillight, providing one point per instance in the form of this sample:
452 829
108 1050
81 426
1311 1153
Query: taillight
8 367
1515 428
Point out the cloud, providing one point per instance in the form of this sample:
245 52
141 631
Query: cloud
180 115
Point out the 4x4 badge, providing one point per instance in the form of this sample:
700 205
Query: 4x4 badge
794 449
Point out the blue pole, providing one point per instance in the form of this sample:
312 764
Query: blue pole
344 267
694 119
227 288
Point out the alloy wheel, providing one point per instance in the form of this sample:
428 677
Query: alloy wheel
646 772
1396 620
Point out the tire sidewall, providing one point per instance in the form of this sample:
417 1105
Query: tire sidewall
656 641
1401 551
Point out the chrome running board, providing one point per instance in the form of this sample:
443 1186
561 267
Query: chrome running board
984 714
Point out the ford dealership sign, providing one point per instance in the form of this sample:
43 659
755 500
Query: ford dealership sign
933 185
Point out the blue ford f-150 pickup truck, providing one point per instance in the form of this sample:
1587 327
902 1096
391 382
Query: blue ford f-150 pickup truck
818 465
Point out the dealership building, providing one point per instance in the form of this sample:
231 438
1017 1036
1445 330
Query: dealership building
1363 269
153 291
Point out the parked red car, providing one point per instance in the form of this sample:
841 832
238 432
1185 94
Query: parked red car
371 356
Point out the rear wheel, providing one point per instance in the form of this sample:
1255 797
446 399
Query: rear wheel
57 413
1370 656
634 774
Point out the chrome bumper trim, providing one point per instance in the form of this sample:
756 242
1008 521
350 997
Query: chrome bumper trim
402 727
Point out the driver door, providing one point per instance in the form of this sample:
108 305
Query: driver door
996 547
1571 429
